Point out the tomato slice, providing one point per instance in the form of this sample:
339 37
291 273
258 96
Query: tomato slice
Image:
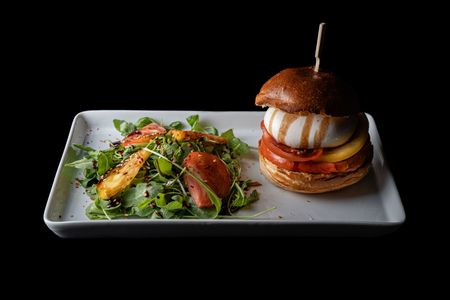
135 138
347 165
288 152
286 164
212 171
274 158
143 135
152 129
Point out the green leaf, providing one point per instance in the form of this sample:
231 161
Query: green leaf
174 205
92 192
143 122
234 168
87 182
176 125
90 173
241 199
160 200
178 198
134 195
170 149
95 213
201 213
84 163
164 166
237 146
128 152
194 121
98 211
226 157
124 127
168 214
143 209
154 188
211 194
102 164
160 179
84 148
212 130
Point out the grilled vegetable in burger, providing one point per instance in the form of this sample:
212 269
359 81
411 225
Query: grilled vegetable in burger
315 139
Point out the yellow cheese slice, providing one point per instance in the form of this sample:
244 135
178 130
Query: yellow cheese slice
351 147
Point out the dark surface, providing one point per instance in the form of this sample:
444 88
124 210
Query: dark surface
217 62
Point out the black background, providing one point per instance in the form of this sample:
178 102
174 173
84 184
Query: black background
173 59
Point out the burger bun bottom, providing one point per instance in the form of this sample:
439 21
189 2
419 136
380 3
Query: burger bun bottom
310 183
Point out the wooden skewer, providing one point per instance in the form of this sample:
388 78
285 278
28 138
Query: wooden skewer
318 45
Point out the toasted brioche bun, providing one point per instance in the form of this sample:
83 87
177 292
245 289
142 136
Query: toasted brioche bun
303 90
302 182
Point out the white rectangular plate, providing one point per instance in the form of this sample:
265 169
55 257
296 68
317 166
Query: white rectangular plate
370 207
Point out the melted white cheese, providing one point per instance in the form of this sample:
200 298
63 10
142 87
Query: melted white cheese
309 130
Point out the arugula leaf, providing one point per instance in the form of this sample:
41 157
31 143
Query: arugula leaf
88 182
201 213
170 149
124 127
95 213
242 200
154 188
211 194
194 121
212 130
143 209
168 214
90 173
176 125
102 163
98 210
84 148
82 164
127 152
226 157
163 166
160 200
134 195
174 205
178 198
143 122
237 146
92 192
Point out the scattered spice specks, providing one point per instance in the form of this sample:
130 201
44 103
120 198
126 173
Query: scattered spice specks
76 183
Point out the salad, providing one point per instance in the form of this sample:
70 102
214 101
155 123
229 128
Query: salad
166 172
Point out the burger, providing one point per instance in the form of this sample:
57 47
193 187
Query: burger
315 138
